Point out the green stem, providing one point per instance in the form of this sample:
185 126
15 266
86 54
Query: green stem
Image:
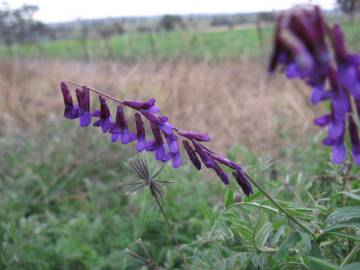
278 206
170 228
353 253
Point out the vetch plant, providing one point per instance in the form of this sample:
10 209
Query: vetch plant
310 49
164 142
193 142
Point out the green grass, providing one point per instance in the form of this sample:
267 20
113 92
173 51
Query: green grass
132 47
166 46
63 207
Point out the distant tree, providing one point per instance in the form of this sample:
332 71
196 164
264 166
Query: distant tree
350 7
265 17
171 22
18 25
221 21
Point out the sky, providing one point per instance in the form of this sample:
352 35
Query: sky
51 11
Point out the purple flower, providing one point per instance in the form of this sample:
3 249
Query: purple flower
140 133
174 150
105 117
148 106
338 153
204 155
242 179
70 111
220 172
226 162
324 120
300 46
157 145
192 155
83 97
348 65
202 137
160 121
120 130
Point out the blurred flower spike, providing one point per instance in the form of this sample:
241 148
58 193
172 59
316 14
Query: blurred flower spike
163 138
310 49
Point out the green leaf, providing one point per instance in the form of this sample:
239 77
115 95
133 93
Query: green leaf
315 249
306 240
355 224
289 242
350 194
262 233
263 206
352 266
277 235
346 235
229 198
343 214
207 213
243 231
320 264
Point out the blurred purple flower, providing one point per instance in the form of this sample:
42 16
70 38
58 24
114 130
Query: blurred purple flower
300 46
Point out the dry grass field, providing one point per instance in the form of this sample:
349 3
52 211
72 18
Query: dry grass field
234 102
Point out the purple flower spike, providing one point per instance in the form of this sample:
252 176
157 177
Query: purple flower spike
242 180
162 130
70 111
192 155
83 97
301 47
195 135
105 117
140 133
120 128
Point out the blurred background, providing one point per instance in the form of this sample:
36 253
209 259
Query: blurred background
206 64
197 58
